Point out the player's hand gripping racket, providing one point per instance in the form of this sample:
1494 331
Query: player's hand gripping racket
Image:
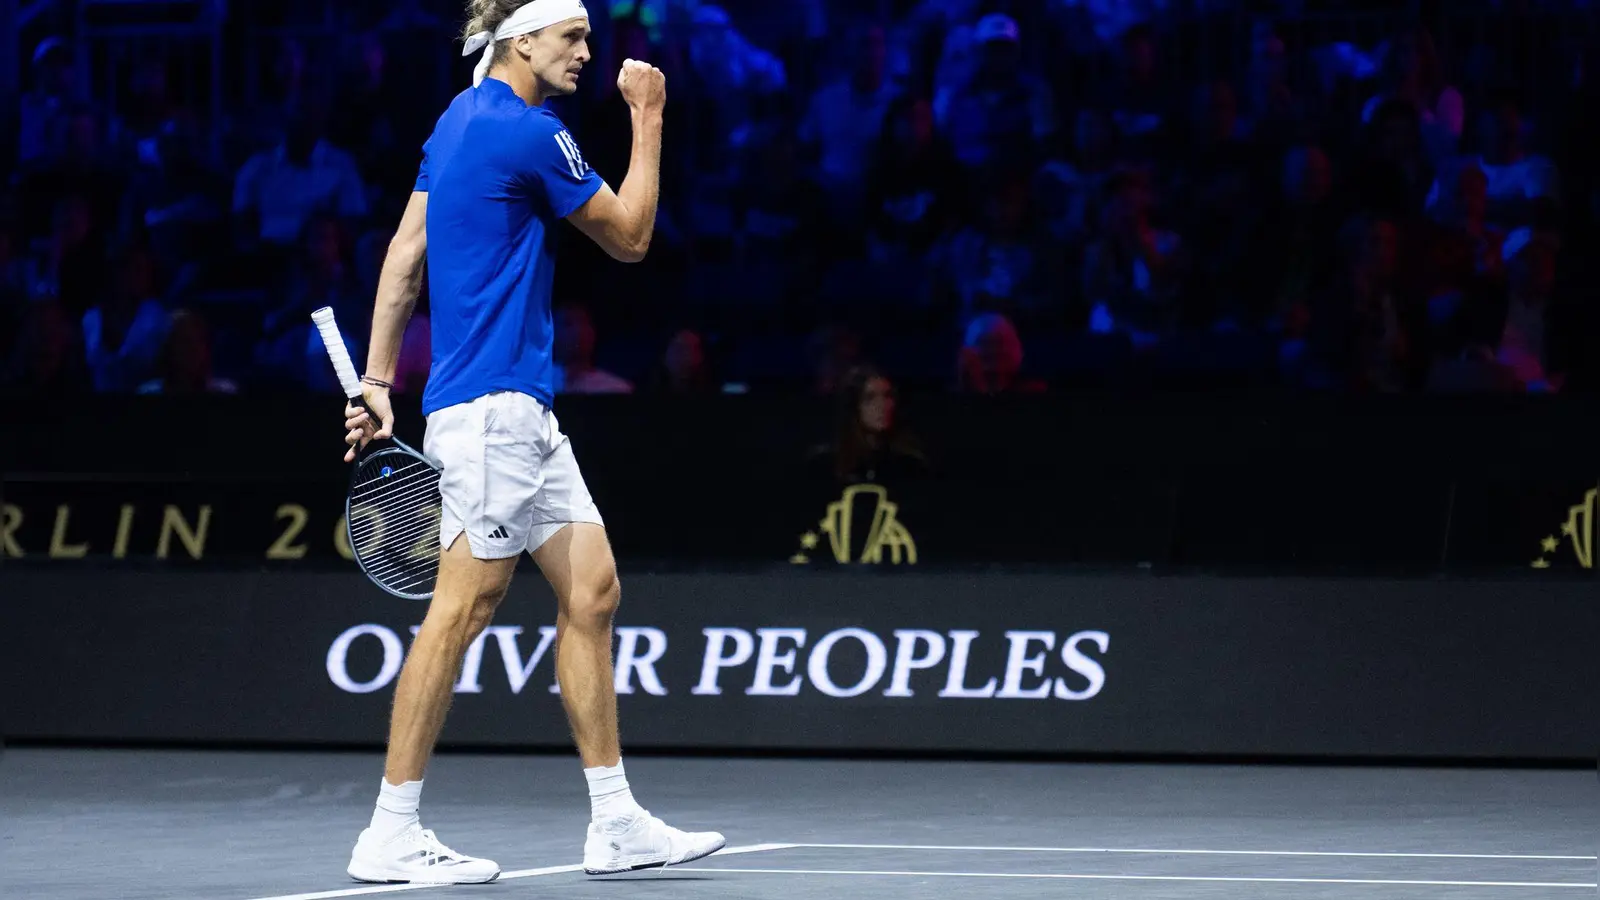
392 510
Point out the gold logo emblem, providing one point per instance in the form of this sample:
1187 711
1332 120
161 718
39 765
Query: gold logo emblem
886 532
1579 529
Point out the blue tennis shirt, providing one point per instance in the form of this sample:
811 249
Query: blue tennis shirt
499 174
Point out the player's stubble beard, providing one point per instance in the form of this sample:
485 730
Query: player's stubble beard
565 86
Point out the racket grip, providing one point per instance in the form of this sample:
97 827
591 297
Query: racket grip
339 354
333 342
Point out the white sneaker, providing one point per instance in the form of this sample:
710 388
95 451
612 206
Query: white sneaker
415 856
643 842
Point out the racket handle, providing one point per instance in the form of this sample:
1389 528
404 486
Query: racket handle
338 353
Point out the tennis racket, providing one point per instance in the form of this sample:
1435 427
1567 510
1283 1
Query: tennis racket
392 509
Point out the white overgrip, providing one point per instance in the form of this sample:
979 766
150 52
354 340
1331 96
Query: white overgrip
337 352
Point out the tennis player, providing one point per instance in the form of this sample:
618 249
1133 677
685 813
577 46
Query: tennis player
498 173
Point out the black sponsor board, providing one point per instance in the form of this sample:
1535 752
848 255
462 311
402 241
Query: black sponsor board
1300 485
839 661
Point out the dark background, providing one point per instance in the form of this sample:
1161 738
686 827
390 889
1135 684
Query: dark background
1199 482
1260 668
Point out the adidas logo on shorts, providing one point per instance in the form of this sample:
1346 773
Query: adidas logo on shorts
500 534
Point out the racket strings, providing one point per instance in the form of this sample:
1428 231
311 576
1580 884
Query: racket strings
381 528
395 480
376 519
393 518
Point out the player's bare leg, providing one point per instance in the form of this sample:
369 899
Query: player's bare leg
578 563
464 602
622 836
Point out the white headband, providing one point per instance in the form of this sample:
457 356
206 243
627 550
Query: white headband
530 18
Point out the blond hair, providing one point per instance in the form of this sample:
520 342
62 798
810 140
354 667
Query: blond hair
488 15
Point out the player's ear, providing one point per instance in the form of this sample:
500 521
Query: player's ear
524 45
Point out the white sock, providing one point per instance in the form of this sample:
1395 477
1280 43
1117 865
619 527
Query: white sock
397 807
609 797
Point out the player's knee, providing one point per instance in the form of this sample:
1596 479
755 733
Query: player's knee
484 606
465 614
592 606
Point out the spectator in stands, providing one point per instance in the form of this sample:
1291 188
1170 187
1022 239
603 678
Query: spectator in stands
1460 251
150 113
990 360
1366 333
177 201
1525 340
1518 179
79 162
1295 255
718 51
1133 273
833 351
68 268
1000 117
124 332
732 77
1393 174
290 352
280 190
373 116
1410 73
844 121
773 243
912 173
1269 110
291 87
55 89
1136 98
1512 338
325 276
999 265
783 231
683 368
48 357
870 444
1219 179
186 361
1110 21
575 371
950 44
409 14
1069 190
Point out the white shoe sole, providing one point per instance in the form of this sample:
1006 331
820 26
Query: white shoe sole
635 863
375 875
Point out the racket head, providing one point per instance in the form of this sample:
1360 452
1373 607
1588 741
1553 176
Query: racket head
392 521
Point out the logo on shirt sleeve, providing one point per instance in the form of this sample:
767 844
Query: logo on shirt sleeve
569 149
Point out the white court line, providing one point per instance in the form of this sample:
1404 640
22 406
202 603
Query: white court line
1189 852
1371 881
504 876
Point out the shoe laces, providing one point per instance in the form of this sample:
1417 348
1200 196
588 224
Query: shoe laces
432 844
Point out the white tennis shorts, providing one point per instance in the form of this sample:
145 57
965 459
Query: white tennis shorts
510 479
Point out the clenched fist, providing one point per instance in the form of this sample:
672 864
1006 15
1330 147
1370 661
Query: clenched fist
643 86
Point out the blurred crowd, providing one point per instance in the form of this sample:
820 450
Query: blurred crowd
978 195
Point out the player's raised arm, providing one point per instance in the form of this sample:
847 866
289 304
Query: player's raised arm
623 222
